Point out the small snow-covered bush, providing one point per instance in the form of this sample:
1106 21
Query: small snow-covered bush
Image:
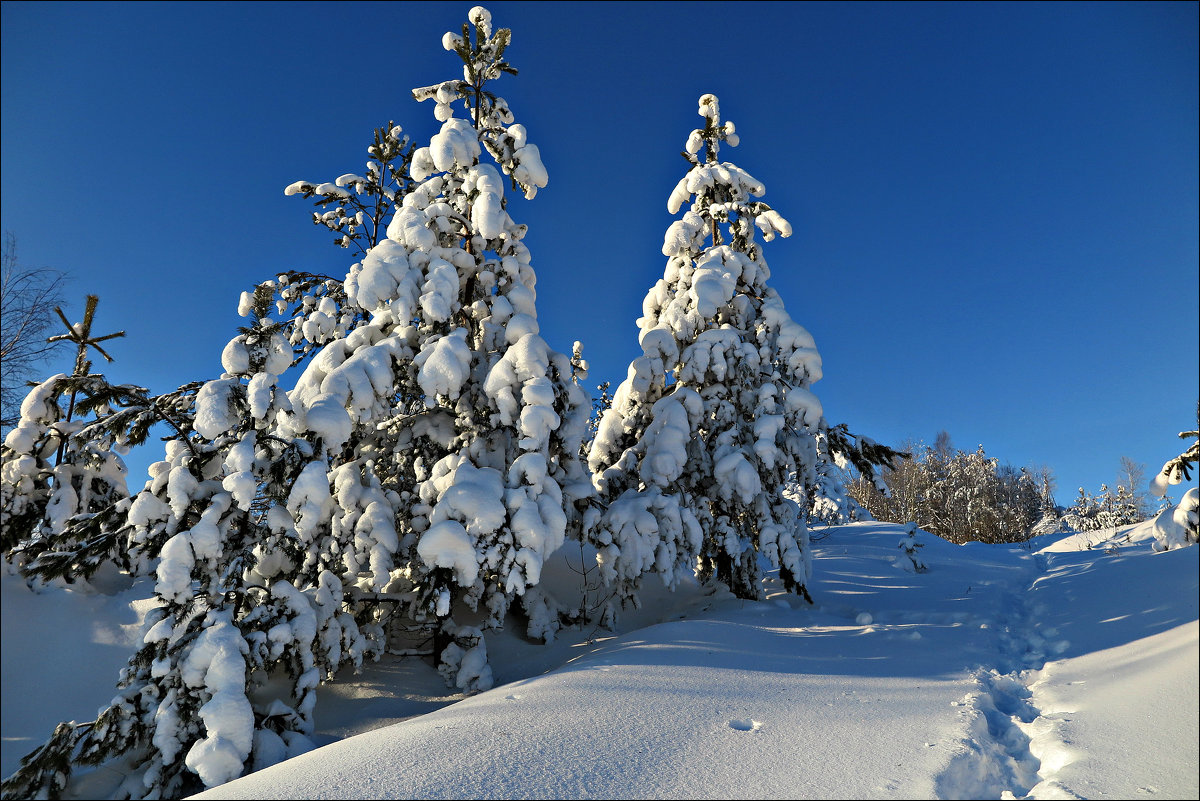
911 559
1176 526
1179 526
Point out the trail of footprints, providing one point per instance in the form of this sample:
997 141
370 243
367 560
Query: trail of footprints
1002 759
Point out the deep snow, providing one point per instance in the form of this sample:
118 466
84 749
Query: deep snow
1065 668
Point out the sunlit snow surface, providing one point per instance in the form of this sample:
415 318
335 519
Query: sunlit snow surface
1067 669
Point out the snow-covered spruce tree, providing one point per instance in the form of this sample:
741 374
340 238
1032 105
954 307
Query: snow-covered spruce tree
58 482
716 416
52 478
251 481
504 410
65 504
427 454
226 677
1050 521
459 426
44 538
910 547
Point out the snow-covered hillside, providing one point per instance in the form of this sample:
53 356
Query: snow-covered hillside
1068 668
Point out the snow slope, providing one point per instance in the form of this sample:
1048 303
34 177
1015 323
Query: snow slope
1057 670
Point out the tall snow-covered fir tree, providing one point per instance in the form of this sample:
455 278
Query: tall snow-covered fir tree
460 426
716 417
428 456
504 412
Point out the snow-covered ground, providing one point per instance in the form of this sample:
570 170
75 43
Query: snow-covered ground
1066 668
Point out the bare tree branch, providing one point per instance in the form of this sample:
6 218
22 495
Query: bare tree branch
27 300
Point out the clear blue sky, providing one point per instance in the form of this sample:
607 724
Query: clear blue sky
995 205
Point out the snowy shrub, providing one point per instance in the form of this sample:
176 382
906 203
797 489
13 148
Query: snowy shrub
1110 509
1178 526
463 662
910 546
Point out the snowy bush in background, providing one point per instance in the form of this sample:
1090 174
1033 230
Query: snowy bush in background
910 547
1179 526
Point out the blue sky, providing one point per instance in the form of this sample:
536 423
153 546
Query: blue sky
995 205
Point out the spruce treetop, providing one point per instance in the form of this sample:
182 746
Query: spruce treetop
482 52
722 192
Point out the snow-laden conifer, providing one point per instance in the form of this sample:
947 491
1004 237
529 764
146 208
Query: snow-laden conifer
62 480
448 429
427 455
716 416
54 480
234 609
502 415
910 547
47 541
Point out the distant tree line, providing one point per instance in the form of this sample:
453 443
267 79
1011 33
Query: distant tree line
966 496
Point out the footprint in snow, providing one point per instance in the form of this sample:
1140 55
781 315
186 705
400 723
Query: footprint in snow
745 725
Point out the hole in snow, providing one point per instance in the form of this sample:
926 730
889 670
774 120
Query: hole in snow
745 725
